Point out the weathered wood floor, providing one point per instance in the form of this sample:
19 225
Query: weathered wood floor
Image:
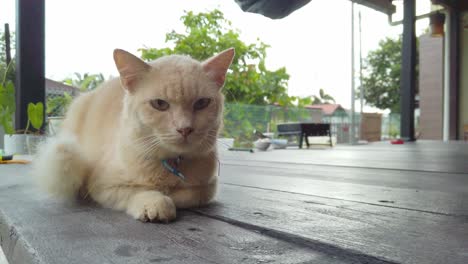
363 204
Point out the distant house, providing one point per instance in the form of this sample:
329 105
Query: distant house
332 113
56 102
54 88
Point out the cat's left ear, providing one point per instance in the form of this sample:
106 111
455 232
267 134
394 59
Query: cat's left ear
216 67
130 67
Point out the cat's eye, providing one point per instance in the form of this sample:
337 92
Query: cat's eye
159 104
201 103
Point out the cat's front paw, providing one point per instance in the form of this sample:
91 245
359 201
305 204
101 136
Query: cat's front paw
152 206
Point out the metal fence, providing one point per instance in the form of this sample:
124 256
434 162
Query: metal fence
56 105
241 120
58 97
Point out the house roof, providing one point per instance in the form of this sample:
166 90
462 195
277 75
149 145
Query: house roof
58 88
327 109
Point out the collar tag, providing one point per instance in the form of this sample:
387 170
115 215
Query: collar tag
171 165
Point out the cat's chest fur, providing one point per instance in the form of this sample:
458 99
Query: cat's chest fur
198 171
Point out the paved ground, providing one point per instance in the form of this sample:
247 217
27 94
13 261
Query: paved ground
351 204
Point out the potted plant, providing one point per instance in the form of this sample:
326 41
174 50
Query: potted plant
19 142
25 142
7 106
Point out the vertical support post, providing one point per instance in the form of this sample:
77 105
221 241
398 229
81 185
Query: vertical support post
30 56
454 74
361 90
447 41
352 130
361 86
408 77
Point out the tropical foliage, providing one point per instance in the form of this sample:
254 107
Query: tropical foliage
323 98
249 80
85 82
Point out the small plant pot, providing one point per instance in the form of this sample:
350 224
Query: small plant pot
20 144
16 144
32 142
54 123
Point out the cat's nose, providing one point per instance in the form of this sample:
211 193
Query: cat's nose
185 131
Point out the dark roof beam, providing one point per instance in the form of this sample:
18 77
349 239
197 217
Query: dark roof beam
384 6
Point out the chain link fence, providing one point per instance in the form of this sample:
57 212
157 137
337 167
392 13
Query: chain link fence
240 120
58 98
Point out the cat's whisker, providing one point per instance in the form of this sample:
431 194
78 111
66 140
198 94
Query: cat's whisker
146 147
171 136
148 142
149 149
168 136
144 139
143 145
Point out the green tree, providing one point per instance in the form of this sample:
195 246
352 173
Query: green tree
323 98
10 75
249 80
381 79
7 90
85 82
58 105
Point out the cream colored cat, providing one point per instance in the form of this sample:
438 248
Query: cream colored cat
114 140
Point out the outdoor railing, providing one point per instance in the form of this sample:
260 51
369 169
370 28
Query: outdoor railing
241 120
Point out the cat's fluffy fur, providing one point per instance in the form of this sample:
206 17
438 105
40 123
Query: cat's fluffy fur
113 139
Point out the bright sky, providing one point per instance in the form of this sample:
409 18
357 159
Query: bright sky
313 43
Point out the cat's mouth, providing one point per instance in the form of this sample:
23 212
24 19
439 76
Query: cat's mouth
190 143
182 141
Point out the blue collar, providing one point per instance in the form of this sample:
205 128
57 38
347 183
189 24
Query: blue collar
171 165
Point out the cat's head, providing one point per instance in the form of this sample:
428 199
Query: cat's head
175 102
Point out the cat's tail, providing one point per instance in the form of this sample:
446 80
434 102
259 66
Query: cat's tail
60 167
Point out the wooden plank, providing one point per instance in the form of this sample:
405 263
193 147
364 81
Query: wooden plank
415 180
266 212
428 156
36 229
445 194
387 233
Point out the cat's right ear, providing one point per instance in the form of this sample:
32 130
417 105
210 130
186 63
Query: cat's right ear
217 66
130 67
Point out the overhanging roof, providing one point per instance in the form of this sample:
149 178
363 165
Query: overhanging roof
277 9
384 6
460 5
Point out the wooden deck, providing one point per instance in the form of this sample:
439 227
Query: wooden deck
378 203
